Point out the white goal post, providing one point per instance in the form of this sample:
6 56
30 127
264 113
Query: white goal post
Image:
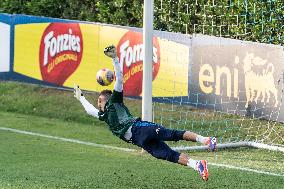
234 145
148 59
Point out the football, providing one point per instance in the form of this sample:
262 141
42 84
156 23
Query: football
105 77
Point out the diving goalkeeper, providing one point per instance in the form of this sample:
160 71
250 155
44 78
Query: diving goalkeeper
147 135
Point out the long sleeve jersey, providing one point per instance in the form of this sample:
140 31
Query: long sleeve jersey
116 114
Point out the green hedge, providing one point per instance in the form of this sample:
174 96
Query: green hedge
253 20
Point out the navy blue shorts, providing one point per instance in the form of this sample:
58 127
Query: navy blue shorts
151 136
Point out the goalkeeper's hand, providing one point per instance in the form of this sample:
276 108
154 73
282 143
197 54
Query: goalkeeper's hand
77 92
110 51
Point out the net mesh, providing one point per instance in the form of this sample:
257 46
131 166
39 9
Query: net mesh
254 20
229 119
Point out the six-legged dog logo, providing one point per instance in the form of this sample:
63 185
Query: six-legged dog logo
259 84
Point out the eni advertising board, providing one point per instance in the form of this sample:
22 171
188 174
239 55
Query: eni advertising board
236 77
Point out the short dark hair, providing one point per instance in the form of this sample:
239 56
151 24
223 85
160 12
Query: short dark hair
107 93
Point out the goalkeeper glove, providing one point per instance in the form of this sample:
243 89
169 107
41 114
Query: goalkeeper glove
77 92
110 51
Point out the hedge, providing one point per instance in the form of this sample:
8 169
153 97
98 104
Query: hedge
253 20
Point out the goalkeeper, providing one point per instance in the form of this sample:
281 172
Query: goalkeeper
147 135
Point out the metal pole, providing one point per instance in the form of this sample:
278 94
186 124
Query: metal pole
148 60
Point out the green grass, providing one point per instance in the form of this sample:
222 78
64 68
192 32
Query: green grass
35 162
32 162
52 103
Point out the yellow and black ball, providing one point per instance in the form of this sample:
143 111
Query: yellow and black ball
105 77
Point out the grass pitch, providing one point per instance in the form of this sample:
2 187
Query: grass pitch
36 162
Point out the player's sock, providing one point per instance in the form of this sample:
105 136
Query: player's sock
192 163
202 140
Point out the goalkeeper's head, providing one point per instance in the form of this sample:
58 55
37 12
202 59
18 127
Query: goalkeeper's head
103 98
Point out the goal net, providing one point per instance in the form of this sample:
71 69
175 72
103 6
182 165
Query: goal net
235 76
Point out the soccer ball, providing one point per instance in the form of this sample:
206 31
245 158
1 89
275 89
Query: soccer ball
105 77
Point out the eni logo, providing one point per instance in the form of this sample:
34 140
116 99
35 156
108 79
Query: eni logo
207 77
258 85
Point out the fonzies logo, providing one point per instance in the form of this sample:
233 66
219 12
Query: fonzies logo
130 53
61 50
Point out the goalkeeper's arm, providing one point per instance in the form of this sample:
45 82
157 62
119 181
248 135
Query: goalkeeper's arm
118 85
110 51
90 109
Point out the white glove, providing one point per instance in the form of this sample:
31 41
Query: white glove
77 92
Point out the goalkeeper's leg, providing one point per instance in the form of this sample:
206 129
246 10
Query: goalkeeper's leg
158 132
161 150
211 142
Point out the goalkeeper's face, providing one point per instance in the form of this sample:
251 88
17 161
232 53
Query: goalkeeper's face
101 102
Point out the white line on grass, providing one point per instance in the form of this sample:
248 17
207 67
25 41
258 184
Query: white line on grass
244 169
125 149
67 139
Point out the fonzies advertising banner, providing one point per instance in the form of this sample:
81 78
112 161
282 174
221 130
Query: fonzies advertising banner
68 53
